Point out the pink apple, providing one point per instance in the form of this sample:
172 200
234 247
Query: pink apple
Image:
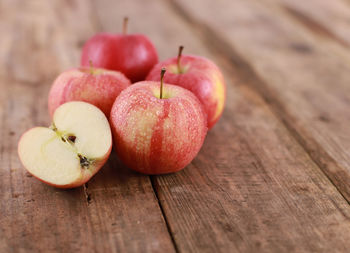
132 54
72 150
157 134
199 75
96 86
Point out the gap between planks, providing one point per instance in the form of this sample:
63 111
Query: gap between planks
155 190
248 75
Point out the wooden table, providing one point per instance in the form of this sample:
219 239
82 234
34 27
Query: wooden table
274 173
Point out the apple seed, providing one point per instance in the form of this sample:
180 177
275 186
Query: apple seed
72 138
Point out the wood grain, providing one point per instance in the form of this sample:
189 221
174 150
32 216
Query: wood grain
252 188
304 79
329 19
117 210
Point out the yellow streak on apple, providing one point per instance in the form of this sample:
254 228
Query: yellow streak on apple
219 95
142 129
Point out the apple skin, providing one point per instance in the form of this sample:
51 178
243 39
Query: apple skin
79 84
202 77
157 136
132 54
85 177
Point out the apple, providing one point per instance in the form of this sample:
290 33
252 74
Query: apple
157 128
96 86
199 75
72 150
132 54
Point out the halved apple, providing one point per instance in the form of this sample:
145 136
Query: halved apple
72 150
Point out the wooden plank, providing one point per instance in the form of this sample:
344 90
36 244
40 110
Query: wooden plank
305 79
252 188
329 19
117 211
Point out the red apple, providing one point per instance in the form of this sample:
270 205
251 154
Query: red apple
96 86
157 128
72 150
199 75
132 54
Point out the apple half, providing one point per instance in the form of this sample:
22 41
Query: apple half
72 150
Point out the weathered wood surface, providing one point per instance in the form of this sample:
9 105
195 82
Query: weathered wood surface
328 19
252 188
305 79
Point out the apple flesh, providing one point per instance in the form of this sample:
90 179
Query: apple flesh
72 150
96 86
199 75
157 136
132 54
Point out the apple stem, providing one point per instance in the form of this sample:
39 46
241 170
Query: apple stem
162 72
125 25
179 58
91 67
84 162
53 127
